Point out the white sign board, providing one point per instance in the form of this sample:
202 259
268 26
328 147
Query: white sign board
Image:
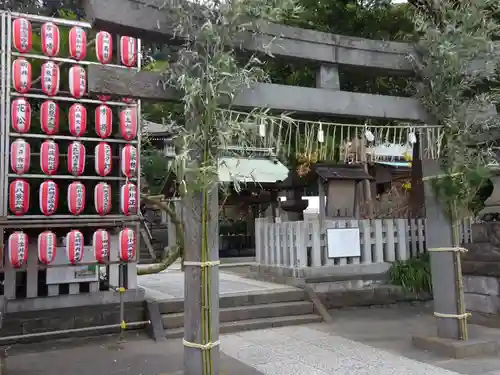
343 243
73 274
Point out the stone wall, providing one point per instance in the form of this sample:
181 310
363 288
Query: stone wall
482 293
482 299
481 274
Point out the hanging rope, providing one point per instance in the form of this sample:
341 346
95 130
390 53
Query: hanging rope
331 140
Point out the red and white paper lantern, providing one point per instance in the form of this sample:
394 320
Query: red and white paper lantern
103 121
128 123
127 243
74 246
19 197
77 81
49 197
51 77
76 198
77 117
129 161
49 117
102 198
76 158
128 51
49 157
50 39
20 154
21 75
47 245
104 47
18 249
128 100
103 159
21 35
77 43
20 114
128 199
101 245
104 98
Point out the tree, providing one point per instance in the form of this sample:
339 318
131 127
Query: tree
455 62
458 84
20 5
45 7
208 72
377 19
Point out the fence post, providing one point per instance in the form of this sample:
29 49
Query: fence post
316 256
272 242
390 248
299 246
366 245
258 245
379 244
355 224
402 232
280 250
265 249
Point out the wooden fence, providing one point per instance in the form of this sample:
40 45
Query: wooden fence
304 243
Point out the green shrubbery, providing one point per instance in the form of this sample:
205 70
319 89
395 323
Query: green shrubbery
413 274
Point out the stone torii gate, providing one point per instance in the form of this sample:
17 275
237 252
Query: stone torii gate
144 19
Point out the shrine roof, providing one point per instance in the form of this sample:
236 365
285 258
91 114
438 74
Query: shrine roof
350 172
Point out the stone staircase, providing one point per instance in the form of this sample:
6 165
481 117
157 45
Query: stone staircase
158 241
242 312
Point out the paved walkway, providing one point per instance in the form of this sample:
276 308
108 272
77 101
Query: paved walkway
170 284
391 328
102 356
304 350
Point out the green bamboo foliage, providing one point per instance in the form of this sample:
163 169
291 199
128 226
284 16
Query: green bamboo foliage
455 62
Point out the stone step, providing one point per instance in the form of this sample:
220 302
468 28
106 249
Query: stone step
234 314
251 324
241 299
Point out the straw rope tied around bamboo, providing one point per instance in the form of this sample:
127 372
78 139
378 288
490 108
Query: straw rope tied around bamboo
209 345
452 316
203 264
461 306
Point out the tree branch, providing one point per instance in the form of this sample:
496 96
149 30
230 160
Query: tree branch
172 256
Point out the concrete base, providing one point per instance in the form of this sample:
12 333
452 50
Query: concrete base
66 312
482 341
301 276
